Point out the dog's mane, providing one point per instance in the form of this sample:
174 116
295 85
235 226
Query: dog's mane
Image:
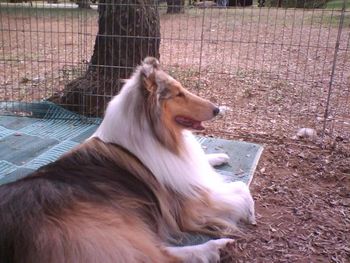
185 173
133 120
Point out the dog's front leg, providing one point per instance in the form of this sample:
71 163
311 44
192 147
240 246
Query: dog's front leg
208 252
216 159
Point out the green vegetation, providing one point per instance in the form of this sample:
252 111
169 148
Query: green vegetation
46 12
338 4
309 4
331 18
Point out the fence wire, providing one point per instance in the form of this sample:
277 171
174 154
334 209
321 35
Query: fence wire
279 67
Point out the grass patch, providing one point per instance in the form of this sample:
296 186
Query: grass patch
46 12
332 20
337 4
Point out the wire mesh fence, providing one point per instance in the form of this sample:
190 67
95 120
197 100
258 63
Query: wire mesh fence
277 65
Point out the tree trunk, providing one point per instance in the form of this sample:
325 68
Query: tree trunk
175 6
129 31
83 3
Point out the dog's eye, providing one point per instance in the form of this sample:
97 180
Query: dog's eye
180 94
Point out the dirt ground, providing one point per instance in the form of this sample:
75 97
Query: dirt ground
272 68
302 196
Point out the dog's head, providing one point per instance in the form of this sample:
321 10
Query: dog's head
177 107
169 107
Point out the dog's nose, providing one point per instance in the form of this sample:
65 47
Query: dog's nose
216 111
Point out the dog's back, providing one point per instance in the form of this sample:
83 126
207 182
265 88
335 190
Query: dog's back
82 208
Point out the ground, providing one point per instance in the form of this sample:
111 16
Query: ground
302 195
272 68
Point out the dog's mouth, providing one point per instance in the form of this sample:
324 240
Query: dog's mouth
189 123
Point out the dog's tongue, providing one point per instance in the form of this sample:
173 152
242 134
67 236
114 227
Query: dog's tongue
189 123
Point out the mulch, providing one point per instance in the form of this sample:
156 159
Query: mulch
302 194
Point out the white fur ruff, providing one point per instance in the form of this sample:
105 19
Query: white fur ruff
184 173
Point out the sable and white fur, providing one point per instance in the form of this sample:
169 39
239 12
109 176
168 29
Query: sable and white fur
139 183
185 170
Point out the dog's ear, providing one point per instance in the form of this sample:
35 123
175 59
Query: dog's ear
148 70
149 65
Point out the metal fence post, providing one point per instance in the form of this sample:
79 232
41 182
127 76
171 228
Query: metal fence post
201 50
331 80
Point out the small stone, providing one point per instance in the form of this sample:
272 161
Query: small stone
307 133
223 110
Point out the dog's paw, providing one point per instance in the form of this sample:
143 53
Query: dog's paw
211 251
216 159
252 219
219 243
208 252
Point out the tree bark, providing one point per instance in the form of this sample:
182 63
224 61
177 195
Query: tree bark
83 4
129 31
175 6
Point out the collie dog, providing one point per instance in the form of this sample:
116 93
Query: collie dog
125 194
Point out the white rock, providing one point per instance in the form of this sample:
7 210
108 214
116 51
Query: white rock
224 109
307 133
